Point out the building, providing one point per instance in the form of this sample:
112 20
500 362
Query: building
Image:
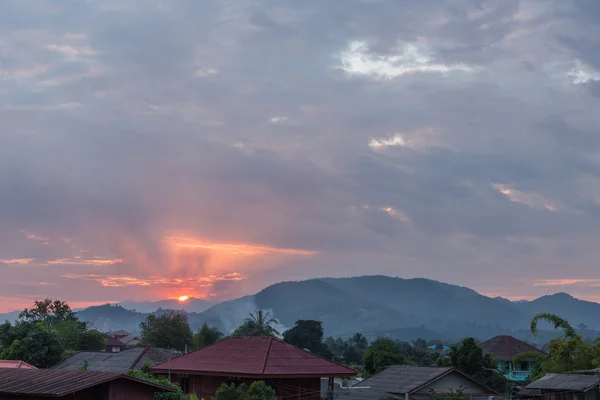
42 384
505 349
293 373
120 334
15 364
114 345
120 362
567 387
404 382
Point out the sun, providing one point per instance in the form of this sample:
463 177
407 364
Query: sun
183 298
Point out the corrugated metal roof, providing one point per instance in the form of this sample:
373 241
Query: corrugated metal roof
111 341
506 348
566 382
15 364
120 362
254 356
57 383
402 379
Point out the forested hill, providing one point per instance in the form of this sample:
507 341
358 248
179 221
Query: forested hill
373 305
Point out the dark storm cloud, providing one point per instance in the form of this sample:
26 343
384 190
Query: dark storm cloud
411 134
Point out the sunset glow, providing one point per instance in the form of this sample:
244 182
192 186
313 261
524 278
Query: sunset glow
183 298
234 248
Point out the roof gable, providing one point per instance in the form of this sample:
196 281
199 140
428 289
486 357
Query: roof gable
15 364
506 348
402 379
254 356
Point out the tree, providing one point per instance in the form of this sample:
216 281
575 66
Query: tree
382 353
230 392
49 312
308 334
259 390
258 324
359 342
469 358
31 342
169 330
556 321
149 377
207 336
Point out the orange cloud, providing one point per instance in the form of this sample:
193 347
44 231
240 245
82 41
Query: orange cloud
21 261
122 280
232 248
565 282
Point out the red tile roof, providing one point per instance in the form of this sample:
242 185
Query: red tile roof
58 383
15 364
254 357
506 348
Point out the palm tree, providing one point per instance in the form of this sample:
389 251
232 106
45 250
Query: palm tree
359 341
261 324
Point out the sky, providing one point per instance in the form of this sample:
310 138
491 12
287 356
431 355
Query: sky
151 149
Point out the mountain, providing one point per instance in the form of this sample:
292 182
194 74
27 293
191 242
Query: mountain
374 305
574 310
190 305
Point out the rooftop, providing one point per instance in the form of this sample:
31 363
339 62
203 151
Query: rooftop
506 348
254 357
15 364
576 382
56 383
402 379
119 362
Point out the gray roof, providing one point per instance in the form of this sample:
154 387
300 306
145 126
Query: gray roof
565 382
363 393
119 362
401 379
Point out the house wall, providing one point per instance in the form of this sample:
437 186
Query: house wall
206 386
453 381
570 395
128 390
99 392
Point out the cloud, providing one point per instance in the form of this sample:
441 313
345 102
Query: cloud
256 132
407 59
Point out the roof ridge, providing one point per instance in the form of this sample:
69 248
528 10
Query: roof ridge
262 371
138 358
314 354
192 352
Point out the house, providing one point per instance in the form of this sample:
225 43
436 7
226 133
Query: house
42 384
404 382
120 362
567 387
15 364
120 334
505 349
291 371
113 345
129 340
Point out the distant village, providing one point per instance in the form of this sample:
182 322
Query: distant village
49 353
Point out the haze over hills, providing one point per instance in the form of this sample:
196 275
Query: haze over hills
373 305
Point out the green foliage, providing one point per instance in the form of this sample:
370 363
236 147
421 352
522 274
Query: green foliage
556 321
149 377
230 392
207 336
308 334
258 324
48 311
469 358
382 353
259 390
85 366
169 330
31 342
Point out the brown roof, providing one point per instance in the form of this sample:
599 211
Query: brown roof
58 383
254 357
15 364
111 341
506 348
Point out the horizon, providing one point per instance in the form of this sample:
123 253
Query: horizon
81 306
155 149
